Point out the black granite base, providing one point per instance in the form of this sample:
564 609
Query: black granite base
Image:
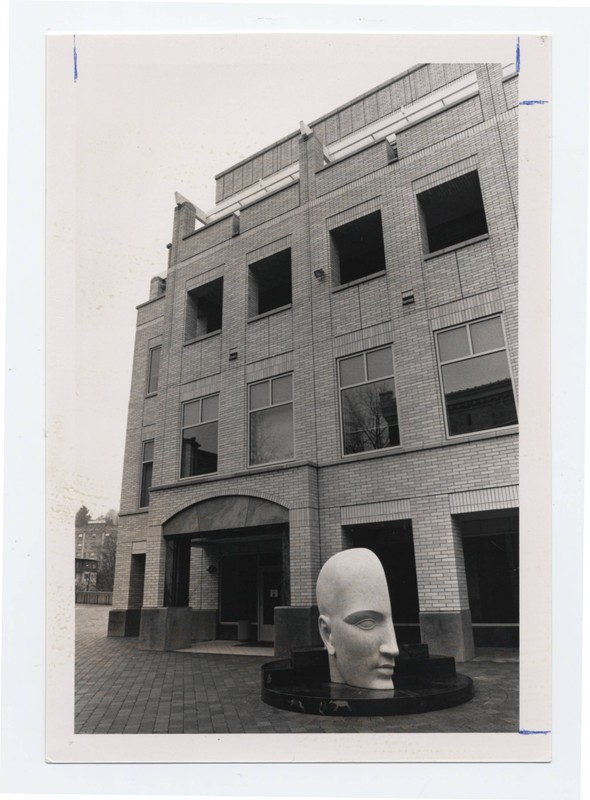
422 683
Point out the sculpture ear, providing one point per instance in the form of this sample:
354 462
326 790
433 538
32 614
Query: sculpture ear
326 633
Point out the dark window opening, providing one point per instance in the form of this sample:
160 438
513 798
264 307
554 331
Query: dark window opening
147 468
204 310
393 544
357 249
491 554
270 283
452 213
153 370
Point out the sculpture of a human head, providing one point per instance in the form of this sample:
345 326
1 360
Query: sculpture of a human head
355 620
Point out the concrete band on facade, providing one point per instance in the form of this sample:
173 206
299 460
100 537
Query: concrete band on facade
213 546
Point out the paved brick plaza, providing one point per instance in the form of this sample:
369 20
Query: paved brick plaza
120 689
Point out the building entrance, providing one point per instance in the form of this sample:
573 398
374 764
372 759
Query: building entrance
251 585
228 558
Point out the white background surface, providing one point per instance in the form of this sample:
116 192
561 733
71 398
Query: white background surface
22 719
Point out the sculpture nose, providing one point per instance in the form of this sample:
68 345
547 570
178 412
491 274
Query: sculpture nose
389 645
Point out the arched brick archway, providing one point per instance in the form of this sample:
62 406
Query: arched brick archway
235 548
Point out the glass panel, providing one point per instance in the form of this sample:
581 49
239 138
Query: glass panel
487 335
475 373
199 450
148 451
352 370
453 344
154 369
478 394
271 435
282 389
190 413
370 417
146 482
210 408
259 395
379 364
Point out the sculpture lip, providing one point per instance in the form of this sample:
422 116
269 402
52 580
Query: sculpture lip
386 667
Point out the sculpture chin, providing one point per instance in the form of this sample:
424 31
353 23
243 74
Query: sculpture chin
380 678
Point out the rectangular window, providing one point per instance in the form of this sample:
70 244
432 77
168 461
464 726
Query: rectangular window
270 283
369 408
357 249
475 376
153 370
271 420
452 212
199 436
147 468
204 310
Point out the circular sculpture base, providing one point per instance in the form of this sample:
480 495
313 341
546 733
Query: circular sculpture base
421 687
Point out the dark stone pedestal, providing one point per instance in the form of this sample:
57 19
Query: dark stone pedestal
422 683
124 622
448 632
296 627
165 628
204 627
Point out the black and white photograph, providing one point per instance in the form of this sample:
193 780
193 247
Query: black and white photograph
297 488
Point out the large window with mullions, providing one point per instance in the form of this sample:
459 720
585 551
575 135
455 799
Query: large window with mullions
368 402
475 376
199 436
270 405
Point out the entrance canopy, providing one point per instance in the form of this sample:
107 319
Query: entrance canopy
226 513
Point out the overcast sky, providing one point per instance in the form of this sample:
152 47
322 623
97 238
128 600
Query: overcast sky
159 114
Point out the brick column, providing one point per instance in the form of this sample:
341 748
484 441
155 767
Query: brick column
445 619
491 91
203 598
296 625
155 566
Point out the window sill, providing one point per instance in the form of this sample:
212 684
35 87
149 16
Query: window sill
488 433
272 463
151 394
270 313
356 282
383 451
453 247
184 478
202 338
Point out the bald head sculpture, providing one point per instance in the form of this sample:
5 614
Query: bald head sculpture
355 620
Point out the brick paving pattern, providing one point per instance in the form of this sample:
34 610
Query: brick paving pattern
121 689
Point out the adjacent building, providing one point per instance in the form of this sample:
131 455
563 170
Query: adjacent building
331 361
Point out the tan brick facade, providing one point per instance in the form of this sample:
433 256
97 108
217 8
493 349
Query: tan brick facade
325 492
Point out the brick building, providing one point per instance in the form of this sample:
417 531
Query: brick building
330 362
92 538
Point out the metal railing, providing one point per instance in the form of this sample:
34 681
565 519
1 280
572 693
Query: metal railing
95 598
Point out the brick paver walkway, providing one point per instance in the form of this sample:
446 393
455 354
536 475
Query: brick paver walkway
121 689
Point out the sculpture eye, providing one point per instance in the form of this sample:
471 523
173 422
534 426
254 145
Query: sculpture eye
366 624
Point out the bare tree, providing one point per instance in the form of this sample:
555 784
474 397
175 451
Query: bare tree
370 417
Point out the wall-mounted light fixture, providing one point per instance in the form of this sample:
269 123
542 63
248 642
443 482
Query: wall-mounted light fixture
212 569
320 274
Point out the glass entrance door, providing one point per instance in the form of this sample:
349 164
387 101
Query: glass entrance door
269 596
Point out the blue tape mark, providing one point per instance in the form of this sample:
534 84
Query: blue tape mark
533 102
524 732
518 54
75 61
